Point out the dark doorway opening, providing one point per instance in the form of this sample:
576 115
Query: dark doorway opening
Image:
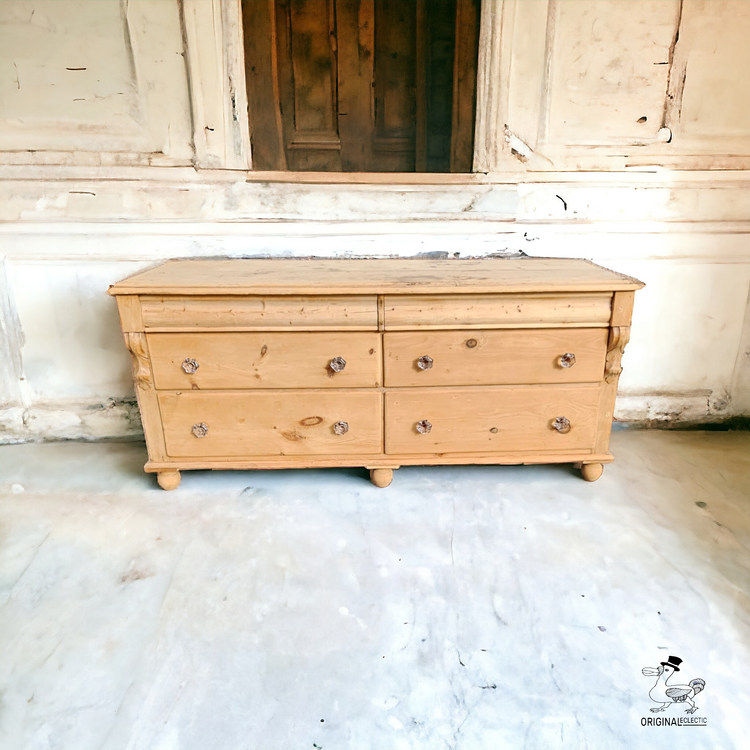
362 85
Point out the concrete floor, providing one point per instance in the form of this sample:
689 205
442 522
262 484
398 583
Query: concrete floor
464 607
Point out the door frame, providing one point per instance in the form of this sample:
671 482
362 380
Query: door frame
221 42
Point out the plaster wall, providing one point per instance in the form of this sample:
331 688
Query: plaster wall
143 156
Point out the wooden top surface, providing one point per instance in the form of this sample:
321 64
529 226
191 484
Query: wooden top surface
288 276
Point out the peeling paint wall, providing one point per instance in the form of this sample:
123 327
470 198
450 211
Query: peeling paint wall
89 76
136 154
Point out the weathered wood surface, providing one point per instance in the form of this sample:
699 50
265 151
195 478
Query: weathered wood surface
321 277
355 22
261 74
464 85
129 307
381 460
265 360
262 313
477 357
510 418
271 423
619 335
395 86
496 311
146 394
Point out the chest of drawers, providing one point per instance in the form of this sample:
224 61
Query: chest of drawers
259 364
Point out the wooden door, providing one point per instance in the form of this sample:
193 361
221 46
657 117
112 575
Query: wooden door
362 85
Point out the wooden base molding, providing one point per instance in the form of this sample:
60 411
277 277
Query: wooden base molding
383 461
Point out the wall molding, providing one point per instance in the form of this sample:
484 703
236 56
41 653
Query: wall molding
553 103
55 167
154 127
201 199
216 75
187 86
149 242
189 102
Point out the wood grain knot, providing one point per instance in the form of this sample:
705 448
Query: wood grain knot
293 435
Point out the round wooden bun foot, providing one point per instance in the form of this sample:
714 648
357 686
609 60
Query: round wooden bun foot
381 477
168 480
592 472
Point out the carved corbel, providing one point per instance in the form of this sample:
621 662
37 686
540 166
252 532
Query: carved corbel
618 339
136 344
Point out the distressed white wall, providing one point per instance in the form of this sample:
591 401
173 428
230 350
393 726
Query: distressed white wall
143 156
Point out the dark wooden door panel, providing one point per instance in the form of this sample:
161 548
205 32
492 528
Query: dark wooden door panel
355 21
464 85
308 75
440 33
362 85
395 85
261 74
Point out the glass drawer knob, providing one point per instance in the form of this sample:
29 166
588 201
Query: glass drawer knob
424 363
200 430
190 366
567 360
337 364
341 428
423 426
561 424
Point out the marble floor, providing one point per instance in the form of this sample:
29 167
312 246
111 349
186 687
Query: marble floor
463 607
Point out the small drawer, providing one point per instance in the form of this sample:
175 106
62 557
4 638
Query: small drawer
271 423
495 357
497 311
491 420
260 313
264 360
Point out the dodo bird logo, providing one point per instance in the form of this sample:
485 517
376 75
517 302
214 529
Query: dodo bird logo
665 693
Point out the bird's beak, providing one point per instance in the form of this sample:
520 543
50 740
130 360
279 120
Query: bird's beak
650 671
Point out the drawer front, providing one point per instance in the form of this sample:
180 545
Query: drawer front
265 360
271 423
497 311
495 357
487 420
260 313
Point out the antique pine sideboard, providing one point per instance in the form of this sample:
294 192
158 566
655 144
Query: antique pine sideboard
260 364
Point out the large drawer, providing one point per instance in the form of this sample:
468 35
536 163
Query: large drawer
490 420
265 360
497 310
259 313
495 357
271 423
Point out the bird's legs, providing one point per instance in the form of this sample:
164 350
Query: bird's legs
663 707
693 708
